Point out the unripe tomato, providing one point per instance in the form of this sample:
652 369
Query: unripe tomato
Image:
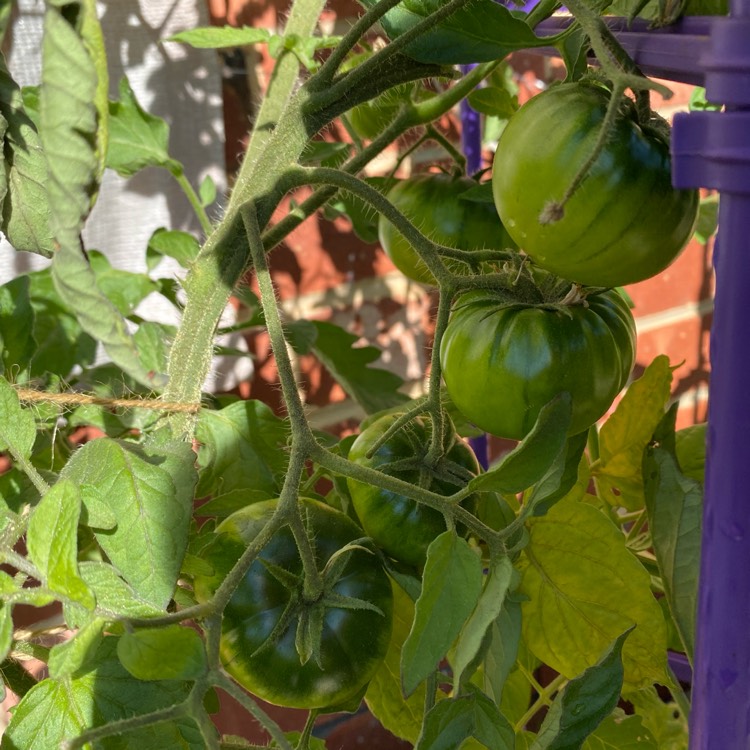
432 202
624 223
502 363
258 646
401 527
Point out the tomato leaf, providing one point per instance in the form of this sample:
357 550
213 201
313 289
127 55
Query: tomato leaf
496 585
690 447
494 101
584 703
505 637
621 732
450 722
25 203
17 345
530 460
242 447
399 715
114 597
584 587
372 388
137 139
451 585
57 710
70 656
664 719
124 289
169 653
675 506
52 542
627 432
213 37
17 426
479 32
562 476
181 246
150 492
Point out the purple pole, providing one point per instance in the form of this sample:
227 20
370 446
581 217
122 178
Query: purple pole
471 145
713 150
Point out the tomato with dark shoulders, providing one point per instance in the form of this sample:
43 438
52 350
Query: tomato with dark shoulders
434 204
268 615
502 362
624 223
400 526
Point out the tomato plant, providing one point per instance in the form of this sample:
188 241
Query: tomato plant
502 362
624 223
280 644
402 527
135 505
434 203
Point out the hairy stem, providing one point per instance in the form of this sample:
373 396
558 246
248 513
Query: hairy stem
195 202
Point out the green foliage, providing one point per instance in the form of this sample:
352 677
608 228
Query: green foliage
118 478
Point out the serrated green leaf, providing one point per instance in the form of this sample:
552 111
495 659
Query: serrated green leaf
221 37
372 388
17 426
114 598
532 458
124 289
137 139
584 702
181 246
621 732
150 492
584 588
17 343
52 541
25 204
480 32
399 715
242 447
451 585
627 432
70 656
53 711
169 653
488 608
450 722
675 508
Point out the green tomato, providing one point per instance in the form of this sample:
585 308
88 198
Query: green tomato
401 527
502 363
433 203
624 223
268 611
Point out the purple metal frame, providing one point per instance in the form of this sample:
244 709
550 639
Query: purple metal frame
712 150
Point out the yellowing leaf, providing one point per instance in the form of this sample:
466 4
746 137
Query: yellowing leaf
627 432
584 589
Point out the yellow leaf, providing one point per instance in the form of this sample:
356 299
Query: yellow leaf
584 589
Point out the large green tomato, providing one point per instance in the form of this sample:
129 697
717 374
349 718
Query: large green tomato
433 203
502 363
401 527
625 223
268 612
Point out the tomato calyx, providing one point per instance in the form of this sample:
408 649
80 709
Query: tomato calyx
309 611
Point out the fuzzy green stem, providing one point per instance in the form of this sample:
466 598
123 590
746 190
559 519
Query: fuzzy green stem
304 740
328 70
29 469
20 563
228 685
125 725
434 135
195 202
